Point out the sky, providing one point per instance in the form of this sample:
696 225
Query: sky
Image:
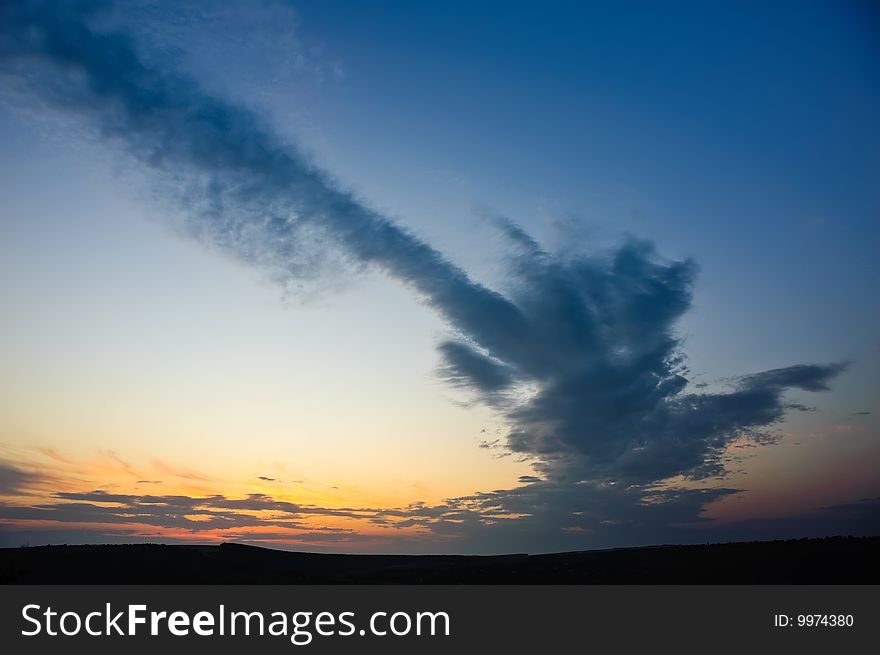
438 277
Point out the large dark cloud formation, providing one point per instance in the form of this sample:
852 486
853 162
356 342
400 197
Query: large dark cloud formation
597 388
579 354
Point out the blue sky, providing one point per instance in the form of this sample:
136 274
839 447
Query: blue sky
743 136
741 141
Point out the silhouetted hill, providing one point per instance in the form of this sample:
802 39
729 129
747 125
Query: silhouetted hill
835 560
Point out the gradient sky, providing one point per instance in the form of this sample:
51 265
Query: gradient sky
175 367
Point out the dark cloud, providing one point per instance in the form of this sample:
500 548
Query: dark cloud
538 517
579 354
14 480
544 516
265 478
196 514
179 504
806 377
597 386
464 366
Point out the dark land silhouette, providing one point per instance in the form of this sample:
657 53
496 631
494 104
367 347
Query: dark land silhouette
834 560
